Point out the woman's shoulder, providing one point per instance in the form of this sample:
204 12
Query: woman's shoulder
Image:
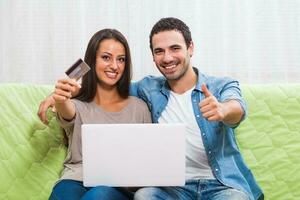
141 110
137 103
82 105
136 100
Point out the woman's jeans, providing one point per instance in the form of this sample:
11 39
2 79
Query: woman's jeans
75 190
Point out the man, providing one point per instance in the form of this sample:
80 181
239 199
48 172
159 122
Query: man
211 108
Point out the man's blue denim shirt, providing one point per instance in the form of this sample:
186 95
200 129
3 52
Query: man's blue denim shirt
218 138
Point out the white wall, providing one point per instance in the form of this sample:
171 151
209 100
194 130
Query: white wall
255 41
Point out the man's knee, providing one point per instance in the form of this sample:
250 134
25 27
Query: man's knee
238 195
231 194
147 193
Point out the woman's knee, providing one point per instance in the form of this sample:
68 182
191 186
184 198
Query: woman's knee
67 189
105 193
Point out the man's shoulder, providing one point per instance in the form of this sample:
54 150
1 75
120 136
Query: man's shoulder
209 79
151 82
217 84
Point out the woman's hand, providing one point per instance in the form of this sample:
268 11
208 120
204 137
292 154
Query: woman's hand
64 88
59 96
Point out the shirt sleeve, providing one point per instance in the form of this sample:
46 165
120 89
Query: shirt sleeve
133 89
232 91
68 125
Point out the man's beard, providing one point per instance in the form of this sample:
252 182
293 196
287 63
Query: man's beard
178 74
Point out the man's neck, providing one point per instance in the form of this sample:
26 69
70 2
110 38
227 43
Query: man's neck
186 82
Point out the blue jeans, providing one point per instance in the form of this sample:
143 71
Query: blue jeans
193 190
74 190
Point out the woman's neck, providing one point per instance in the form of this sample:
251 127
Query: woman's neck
109 99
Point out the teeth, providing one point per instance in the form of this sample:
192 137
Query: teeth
111 74
170 67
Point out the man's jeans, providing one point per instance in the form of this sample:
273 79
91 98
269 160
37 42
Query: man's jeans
75 190
193 190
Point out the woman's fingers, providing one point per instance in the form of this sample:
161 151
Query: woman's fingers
69 85
64 93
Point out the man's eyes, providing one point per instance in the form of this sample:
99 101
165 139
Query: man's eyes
158 51
175 48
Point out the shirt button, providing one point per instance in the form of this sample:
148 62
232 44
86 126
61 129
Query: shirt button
203 133
194 100
217 170
197 115
209 152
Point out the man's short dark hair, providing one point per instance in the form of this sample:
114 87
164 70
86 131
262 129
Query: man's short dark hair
169 24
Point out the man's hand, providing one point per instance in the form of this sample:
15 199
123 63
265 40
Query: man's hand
44 105
211 109
230 112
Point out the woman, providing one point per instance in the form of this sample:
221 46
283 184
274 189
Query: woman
102 98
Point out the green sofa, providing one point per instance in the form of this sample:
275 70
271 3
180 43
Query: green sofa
31 153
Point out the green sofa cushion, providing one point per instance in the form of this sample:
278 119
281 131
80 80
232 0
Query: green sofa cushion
31 154
270 138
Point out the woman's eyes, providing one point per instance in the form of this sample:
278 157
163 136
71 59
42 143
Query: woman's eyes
121 59
105 57
108 58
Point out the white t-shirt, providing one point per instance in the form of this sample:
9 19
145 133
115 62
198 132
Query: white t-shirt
180 110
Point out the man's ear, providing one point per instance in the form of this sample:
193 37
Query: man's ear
191 49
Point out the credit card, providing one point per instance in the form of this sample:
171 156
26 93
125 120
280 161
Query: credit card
78 69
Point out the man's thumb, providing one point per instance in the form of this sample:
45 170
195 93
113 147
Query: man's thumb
205 91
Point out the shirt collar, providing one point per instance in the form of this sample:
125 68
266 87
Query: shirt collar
201 80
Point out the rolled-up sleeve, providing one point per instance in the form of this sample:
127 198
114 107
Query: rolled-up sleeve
232 91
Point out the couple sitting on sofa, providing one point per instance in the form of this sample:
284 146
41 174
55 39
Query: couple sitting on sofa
210 107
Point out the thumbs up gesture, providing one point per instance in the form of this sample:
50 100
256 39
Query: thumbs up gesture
211 109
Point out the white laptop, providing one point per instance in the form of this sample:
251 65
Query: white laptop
132 155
